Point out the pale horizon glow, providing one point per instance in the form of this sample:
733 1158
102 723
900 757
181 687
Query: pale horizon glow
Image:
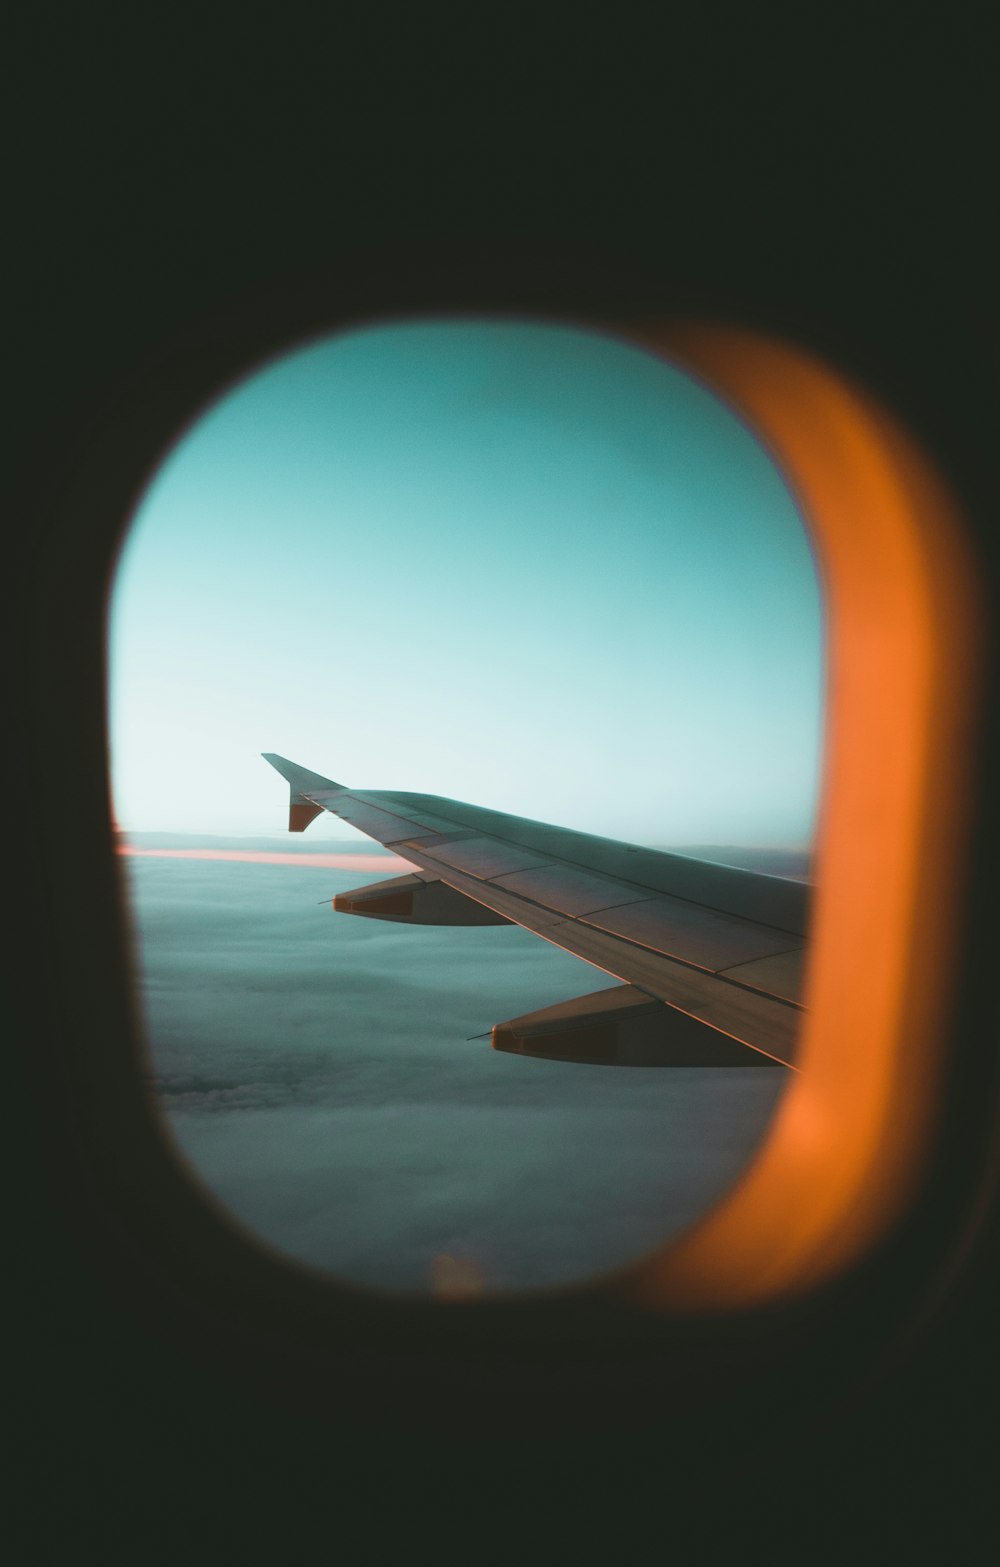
519 564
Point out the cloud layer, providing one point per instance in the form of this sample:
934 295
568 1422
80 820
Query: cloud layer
317 1073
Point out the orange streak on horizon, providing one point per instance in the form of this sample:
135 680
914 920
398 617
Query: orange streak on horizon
329 862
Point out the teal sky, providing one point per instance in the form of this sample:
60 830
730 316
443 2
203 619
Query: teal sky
514 563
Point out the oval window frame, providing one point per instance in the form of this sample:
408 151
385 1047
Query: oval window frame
764 1242
904 623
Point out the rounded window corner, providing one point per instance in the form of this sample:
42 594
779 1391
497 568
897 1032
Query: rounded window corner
904 620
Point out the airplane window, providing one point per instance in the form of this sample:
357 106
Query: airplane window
528 567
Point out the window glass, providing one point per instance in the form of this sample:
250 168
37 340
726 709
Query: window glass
518 564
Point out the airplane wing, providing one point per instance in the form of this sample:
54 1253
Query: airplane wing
711 957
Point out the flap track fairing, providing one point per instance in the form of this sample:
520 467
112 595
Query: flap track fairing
416 900
621 1026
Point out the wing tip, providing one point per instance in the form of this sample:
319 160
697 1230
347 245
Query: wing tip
301 785
302 779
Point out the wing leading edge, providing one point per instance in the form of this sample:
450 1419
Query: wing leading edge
725 947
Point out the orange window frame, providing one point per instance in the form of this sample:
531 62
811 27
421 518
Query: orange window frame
903 616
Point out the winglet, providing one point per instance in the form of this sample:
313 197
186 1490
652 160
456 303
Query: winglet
302 783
